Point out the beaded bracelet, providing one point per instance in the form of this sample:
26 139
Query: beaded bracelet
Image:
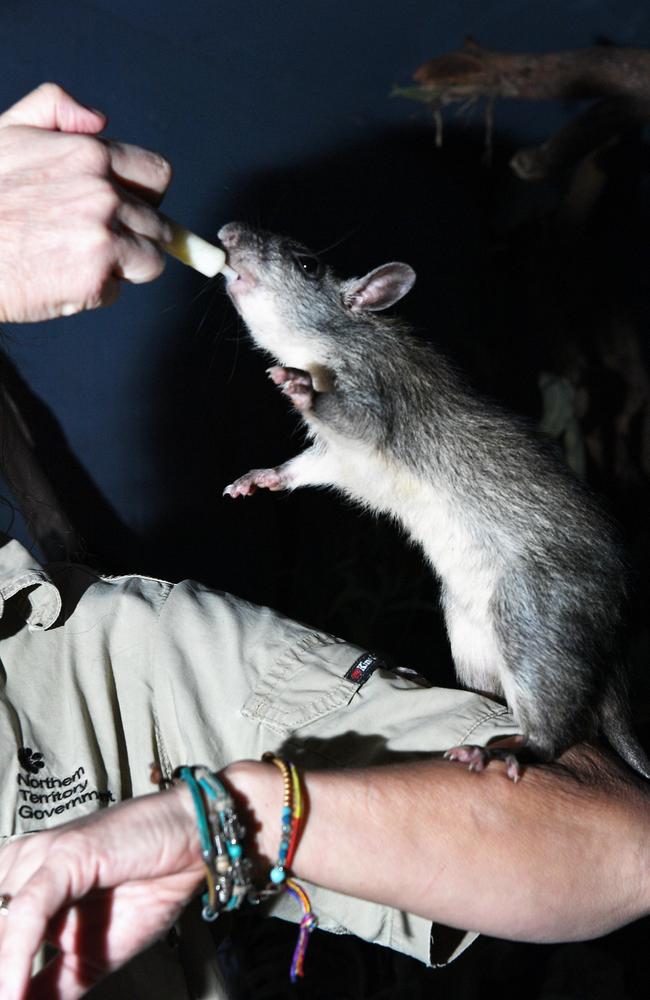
291 820
233 869
227 870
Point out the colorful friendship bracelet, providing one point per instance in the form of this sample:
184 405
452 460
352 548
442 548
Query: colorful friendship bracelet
308 922
227 870
291 820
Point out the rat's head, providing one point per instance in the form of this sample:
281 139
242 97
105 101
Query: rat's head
294 306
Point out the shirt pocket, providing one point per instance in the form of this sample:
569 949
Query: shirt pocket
305 683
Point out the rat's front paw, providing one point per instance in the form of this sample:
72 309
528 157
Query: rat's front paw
267 479
296 384
478 758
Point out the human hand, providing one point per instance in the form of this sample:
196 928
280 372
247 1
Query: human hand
100 890
77 212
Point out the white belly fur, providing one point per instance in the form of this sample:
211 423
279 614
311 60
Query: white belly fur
468 570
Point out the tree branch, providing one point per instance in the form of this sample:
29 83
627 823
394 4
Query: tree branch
618 78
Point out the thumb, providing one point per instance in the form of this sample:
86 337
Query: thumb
51 107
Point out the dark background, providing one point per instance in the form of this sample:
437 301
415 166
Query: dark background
279 114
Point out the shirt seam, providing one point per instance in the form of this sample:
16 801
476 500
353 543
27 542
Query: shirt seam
488 717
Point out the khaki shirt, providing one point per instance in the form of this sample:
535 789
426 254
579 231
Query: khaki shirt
103 675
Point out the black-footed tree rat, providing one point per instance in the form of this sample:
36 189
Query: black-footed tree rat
533 582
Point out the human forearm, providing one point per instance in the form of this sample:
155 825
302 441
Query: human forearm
551 858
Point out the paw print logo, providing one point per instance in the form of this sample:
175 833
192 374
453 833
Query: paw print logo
29 760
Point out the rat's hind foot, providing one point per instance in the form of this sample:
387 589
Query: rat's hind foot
478 758
267 479
294 383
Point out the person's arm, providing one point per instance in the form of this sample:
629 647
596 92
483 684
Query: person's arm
77 212
554 857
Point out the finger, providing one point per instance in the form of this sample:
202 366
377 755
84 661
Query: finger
51 107
67 976
82 960
142 171
140 218
62 978
31 910
137 259
22 931
108 293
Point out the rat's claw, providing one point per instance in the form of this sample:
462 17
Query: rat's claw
477 758
294 383
512 768
237 490
245 486
280 375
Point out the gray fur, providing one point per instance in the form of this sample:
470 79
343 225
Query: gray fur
533 581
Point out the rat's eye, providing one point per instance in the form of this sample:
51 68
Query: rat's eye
310 266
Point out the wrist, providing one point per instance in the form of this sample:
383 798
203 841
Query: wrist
257 790
182 816
237 811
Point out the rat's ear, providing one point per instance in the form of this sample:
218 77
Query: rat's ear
379 289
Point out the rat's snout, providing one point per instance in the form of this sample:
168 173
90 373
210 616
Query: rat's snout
235 238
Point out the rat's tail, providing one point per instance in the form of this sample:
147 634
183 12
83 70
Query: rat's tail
616 724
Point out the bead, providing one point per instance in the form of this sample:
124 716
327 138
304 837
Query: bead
223 864
277 875
235 850
208 914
